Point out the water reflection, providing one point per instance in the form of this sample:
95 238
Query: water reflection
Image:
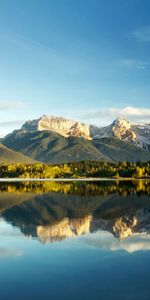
53 211
104 240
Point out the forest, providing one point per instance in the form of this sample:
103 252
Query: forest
83 169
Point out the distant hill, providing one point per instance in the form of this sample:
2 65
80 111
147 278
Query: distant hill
9 156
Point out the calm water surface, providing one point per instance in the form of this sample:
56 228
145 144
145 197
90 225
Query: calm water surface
75 240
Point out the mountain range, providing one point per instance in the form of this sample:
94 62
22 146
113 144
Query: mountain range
57 140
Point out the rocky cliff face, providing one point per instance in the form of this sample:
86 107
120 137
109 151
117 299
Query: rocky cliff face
64 127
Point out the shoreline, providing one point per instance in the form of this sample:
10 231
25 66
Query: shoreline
70 179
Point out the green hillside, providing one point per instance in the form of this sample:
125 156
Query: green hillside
9 156
50 147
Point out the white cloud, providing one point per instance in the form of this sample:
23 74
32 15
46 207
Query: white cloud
142 34
104 116
10 105
132 63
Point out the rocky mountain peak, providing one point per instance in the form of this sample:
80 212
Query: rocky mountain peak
123 129
63 126
121 122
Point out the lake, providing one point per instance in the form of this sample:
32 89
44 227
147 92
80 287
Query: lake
75 240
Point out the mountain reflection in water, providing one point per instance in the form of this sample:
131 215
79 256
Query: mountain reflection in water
52 211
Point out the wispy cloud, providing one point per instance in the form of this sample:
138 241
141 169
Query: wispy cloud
103 116
142 34
24 41
134 64
12 123
9 105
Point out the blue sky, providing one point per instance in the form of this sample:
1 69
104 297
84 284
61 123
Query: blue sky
86 60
